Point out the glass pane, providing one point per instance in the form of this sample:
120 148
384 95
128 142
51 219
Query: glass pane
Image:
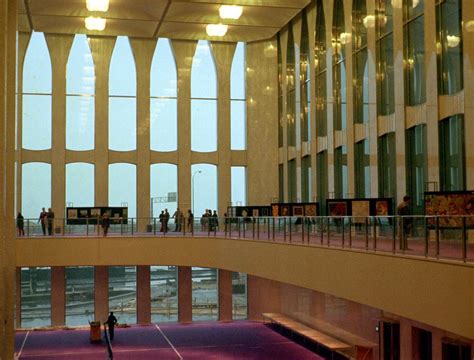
322 179
306 178
361 88
163 76
205 303
362 169
237 124
80 184
35 297
80 122
320 39
238 185
204 125
291 93
385 76
359 24
415 86
122 124
237 75
123 293
163 188
36 130
384 17
321 109
80 78
35 189
163 124
164 293
239 296
292 194
339 32
452 154
203 188
122 63
123 187
37 76
80 295
203 73
412 8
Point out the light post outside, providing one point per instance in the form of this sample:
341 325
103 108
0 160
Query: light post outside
192 186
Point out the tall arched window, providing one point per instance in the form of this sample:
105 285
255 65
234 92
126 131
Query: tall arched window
360 68
122 98
237 99
291 89
163 99
37 84
80 90
35 189
340 38
203 100
123 186
320 71
80 184
305 91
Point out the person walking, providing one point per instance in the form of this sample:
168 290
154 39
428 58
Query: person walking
20 222
43 220
406 222
50 218
111 322
105 223
162 221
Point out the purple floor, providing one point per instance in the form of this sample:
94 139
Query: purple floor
198 341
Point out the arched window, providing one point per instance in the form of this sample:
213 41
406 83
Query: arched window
80 184
237 99
163 99
123 187
122 98
163 188
203 100
291 88
37 84
80 90
35 189
340 38
320 71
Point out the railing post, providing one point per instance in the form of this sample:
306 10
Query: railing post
309 230
121 226
343 231
329 228
238 225
321 226
284 229
366 233
437 236
154 226
87 227
302 229
132 226
289 225
464 239
258 228
374 224
273 230
253 228
350 232
28 227
394 234
268 228
243 226
425 225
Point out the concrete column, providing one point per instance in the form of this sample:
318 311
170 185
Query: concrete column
185 294
58 296
101 49
468 63
223 55
143 295
225 295
184 52
101 292
143 50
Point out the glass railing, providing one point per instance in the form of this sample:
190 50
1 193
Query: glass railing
446 237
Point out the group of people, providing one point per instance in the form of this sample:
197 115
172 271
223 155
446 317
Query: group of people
179 218
46 219
209 220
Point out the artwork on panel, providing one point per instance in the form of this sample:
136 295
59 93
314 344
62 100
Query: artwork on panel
285 210
337 208
245 212
360 210
95 212
311 210
275 210
381 208
444 204
255 213
298 210
72 213
83 213
265 212
125 213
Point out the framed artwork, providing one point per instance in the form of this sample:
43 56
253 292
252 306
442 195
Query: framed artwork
275 210
298 210
255 213
311 210
265 212
83 213
360 210
337 208
95 212
72 213
454 203
244 212
381 208
285 210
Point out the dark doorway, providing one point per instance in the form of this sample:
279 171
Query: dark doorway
456 351
422 344
391 341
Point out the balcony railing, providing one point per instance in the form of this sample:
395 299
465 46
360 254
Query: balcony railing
435 237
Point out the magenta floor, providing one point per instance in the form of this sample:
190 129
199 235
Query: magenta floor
198 341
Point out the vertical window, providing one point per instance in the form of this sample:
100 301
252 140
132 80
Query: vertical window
386 166
123 293
385 67
37 85
280 95
122 98
291 89
79 295
306 178
205 303
163 99
203 100
416 166
164 293
449 46
340 38
239 296
35 297
123 187
292 194
320 71
360 67
452 154
322 179
203 188
414 52
305 84
340 172
362 169
238 185
35 189
281 183
80 184
163 188
80 90
237 99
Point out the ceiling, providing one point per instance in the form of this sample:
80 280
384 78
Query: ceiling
176 19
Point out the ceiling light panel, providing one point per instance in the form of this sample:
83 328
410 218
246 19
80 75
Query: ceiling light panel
97 5
230 12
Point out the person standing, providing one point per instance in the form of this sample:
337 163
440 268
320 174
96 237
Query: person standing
178 217
105 223
162 220
43 220
111 322
406 222
215 221
20 222
50 217
190 221
166 219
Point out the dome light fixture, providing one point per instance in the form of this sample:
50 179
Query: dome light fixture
230 11
216 29
97 5
95 23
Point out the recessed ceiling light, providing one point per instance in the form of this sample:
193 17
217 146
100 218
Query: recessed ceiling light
216 29
95 23
230 11
97 5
